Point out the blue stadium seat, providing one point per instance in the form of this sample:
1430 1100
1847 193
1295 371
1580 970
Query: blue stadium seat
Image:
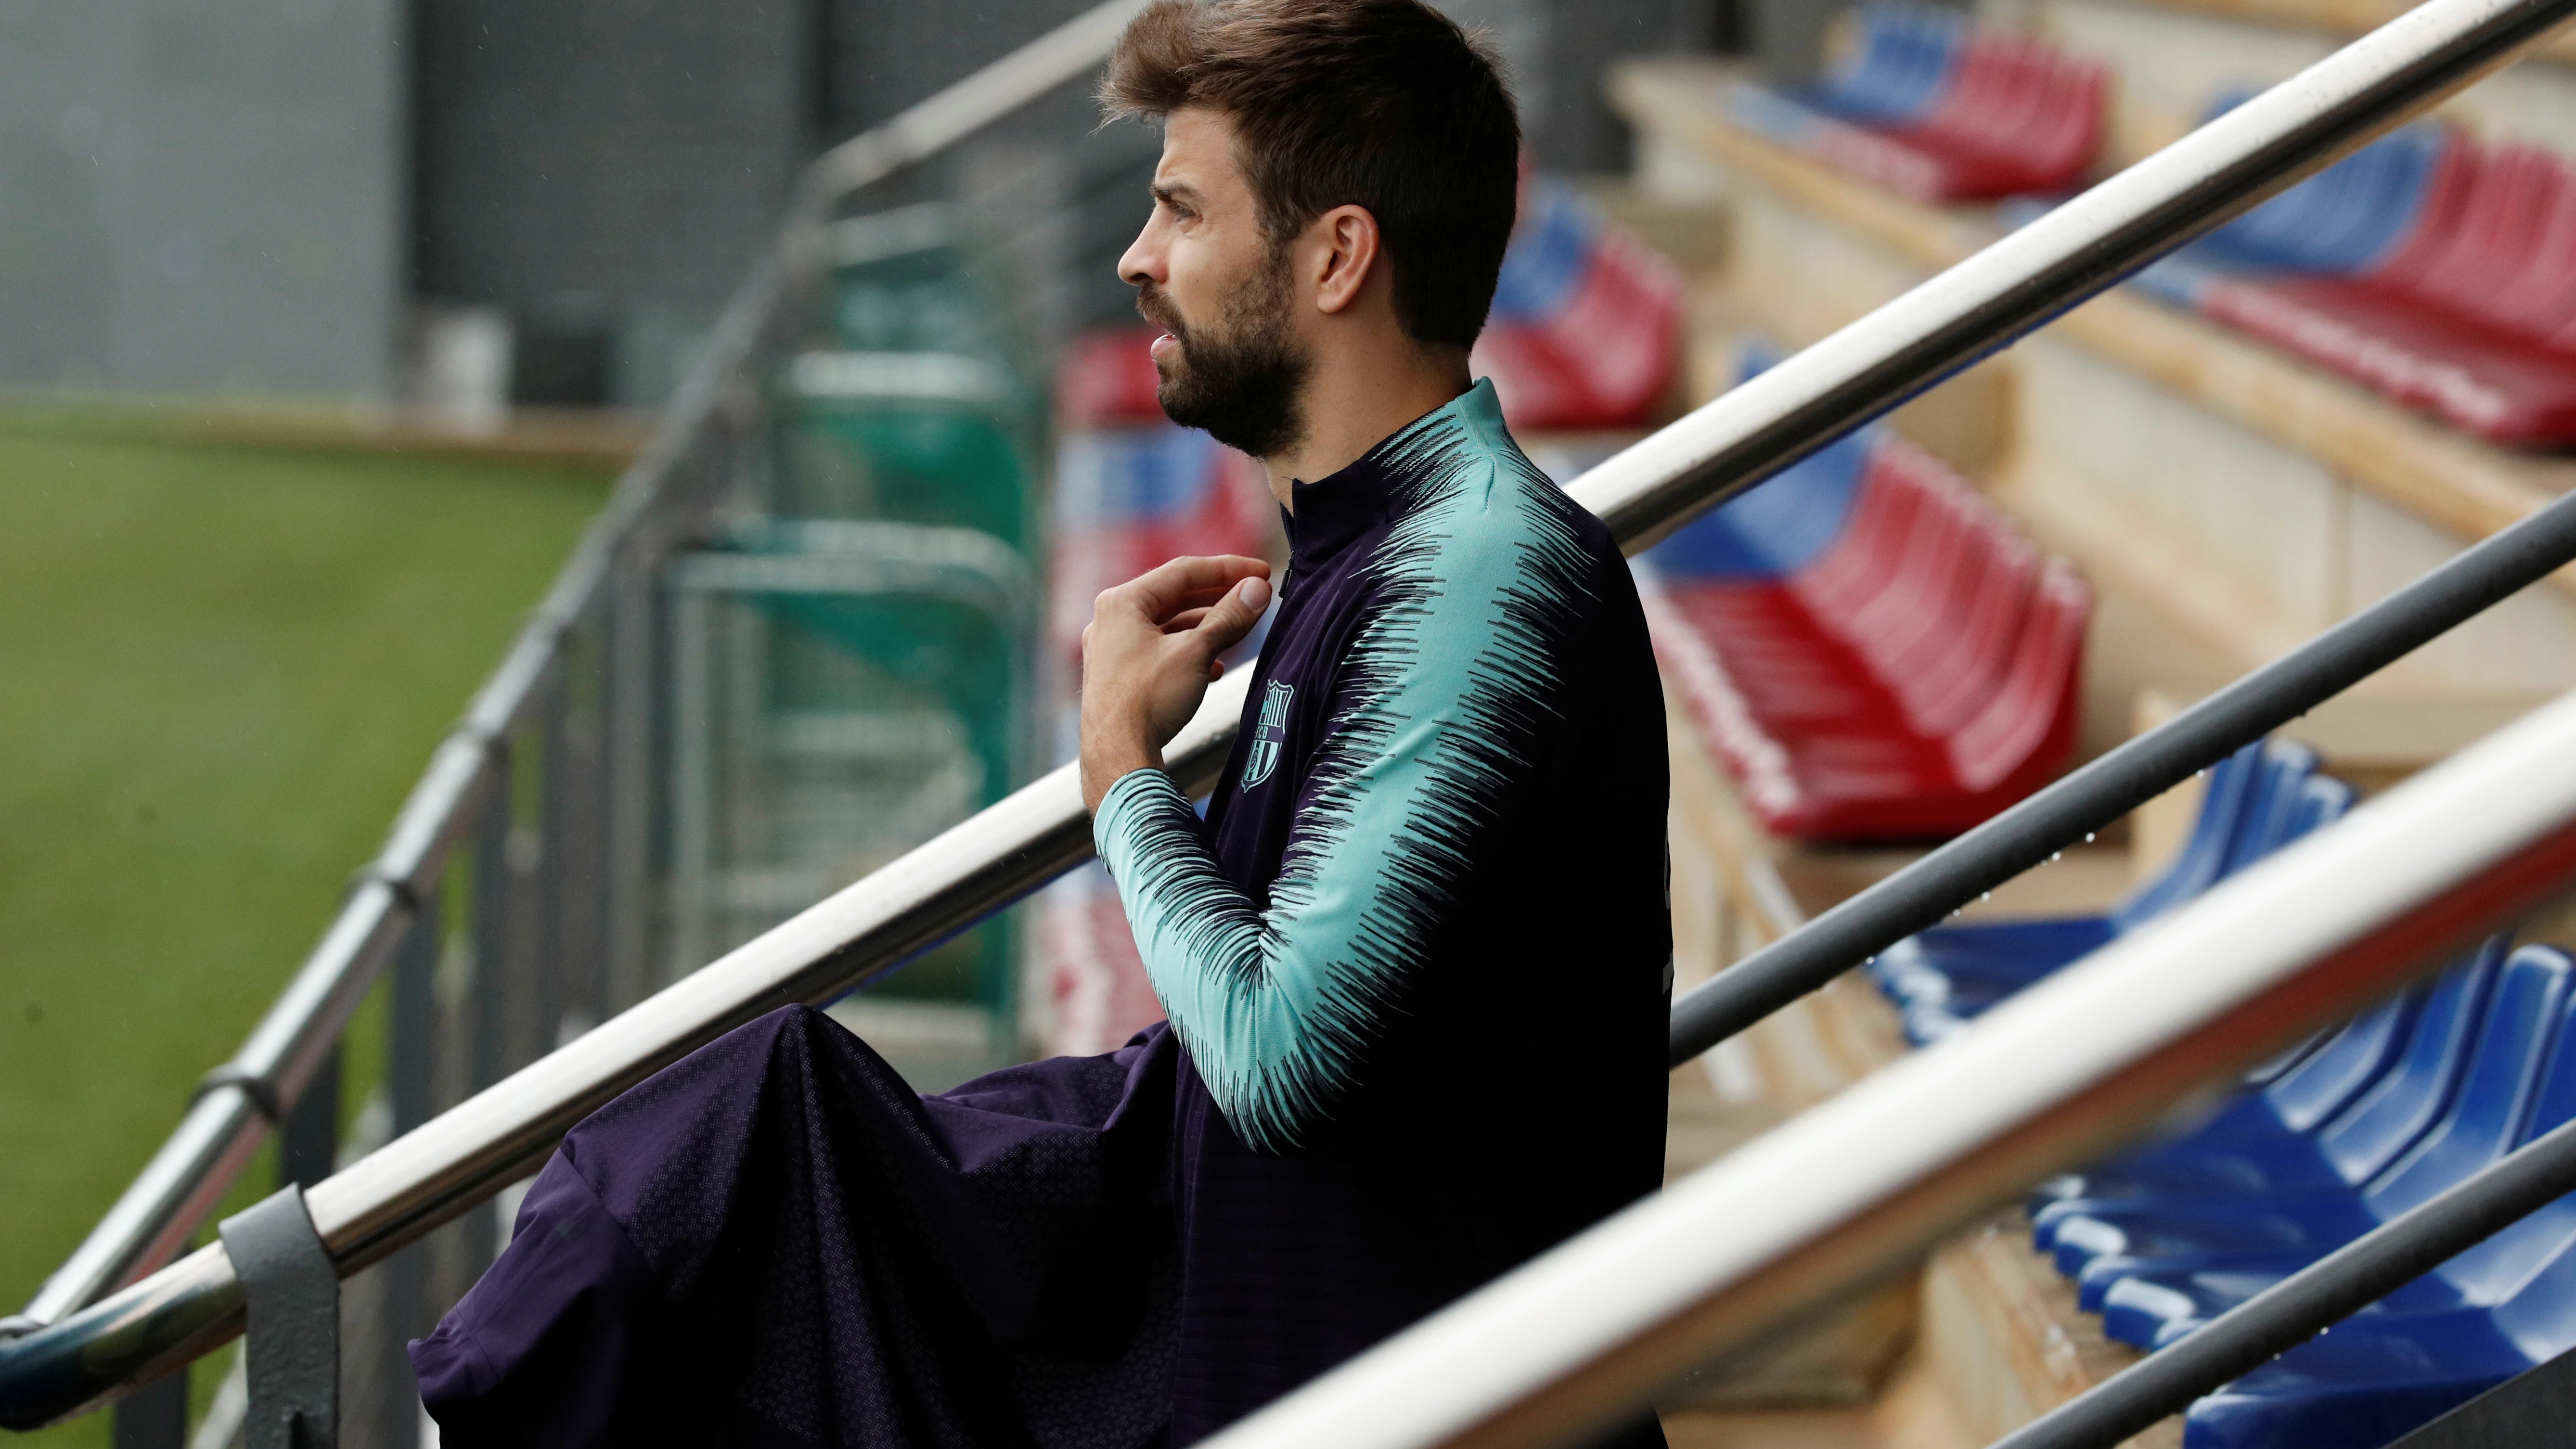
2250 1146
2155 1309
1899 68
2028 949
2265 1142
2479 1121
2257 800
2495 1311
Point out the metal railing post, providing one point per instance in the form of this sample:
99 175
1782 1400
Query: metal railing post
578 822
520 986
411 1025
486 1004
308 1145
154 1416
627 702
292 1343
549 914
411 1065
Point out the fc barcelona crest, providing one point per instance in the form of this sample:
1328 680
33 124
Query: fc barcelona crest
1269 734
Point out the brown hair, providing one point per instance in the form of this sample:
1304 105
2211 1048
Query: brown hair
1382 104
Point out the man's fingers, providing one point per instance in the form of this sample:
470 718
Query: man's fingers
1192 582
1184 621
1233 616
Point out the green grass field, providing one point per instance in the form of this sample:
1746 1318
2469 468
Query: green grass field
221 669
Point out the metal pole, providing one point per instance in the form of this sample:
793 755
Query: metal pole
411 1065
551 915
582 923
626 704
2311 1300
154 1416
2137 771
485 1010
309 1142
693 788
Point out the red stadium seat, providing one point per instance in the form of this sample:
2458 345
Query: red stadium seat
2018 118
2471 316
1916 677
1602 357
2004 115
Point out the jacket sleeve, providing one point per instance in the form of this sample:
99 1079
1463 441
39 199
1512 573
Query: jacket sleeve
1444 706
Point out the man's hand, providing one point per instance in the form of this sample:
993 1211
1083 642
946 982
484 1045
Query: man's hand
1150 653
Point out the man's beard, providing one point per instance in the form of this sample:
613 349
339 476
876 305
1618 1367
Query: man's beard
1240 380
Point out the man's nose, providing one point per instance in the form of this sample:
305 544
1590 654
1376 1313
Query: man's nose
1143 262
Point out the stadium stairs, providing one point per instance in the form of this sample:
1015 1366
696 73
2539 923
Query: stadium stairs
2221 490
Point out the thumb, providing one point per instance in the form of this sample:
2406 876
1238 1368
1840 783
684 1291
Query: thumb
1233 616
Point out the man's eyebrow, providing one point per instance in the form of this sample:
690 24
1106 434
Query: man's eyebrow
1172 192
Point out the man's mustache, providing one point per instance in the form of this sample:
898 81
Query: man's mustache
1156 308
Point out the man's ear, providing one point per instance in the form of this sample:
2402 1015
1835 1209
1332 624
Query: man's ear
1347 252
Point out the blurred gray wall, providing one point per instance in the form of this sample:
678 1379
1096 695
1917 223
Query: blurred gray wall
603 170
200 194
251 195
1556 50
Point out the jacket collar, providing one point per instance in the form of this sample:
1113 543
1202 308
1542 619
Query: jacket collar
1334 510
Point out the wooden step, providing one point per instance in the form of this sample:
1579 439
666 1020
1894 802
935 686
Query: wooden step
2002 1335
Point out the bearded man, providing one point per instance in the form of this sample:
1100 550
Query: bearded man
1414 958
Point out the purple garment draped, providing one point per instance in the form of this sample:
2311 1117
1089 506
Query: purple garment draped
776 1242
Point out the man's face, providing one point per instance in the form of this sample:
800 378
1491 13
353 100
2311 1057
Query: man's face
1229 358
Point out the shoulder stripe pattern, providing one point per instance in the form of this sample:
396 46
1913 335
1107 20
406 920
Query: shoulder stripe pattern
1442 709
